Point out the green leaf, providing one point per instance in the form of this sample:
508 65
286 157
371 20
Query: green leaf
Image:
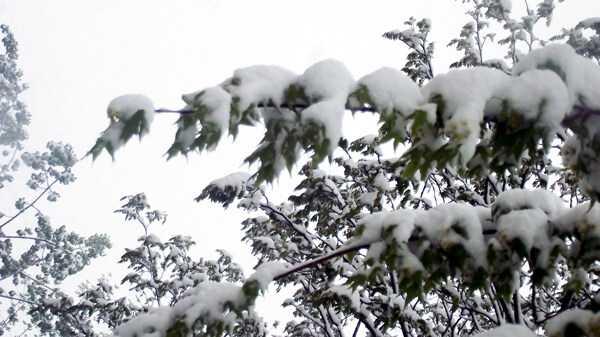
419 118
460 230
251 290
555 67
100 145
179 329
295 94
135 125
363 96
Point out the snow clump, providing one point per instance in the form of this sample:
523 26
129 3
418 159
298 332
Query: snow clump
586 320
260 83
124 107
580 74
205 301
512 330
392 91
465 93
327 83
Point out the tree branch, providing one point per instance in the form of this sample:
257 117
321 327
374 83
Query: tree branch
310 263
18 299
271 105
29 205
28 238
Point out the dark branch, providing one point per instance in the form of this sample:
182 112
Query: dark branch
18 299
30 205
334 254
271 105
579 112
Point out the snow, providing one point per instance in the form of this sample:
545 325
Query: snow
580 156
345 291
437 224
588 223
237 181
517 214
326 80
112 135
218 101
527 225
206 301
265 273
330 114
391 90
144 324
328 84
536 91
543 89
252 202
539 95
511 330
120 110
465 93
367 198
441 226
377 223
590 22
187 136
586 320
266 241
518 199
581 75
261 83
125 106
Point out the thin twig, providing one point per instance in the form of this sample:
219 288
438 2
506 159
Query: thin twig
18 299
30 205
28 238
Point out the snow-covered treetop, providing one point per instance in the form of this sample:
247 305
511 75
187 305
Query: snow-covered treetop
466 118
475 122
364 246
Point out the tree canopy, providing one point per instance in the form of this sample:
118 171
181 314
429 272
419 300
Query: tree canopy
473 224
36 257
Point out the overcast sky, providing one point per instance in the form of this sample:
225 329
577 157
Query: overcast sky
77 55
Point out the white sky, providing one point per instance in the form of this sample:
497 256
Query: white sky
77 55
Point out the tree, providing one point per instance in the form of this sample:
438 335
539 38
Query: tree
35 258
475 226
161 274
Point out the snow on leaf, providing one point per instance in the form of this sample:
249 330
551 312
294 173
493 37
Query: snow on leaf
580 74
261 83
390 90
125 106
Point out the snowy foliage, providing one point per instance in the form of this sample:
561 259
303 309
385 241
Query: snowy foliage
129 115
162 275
474 226
36 257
